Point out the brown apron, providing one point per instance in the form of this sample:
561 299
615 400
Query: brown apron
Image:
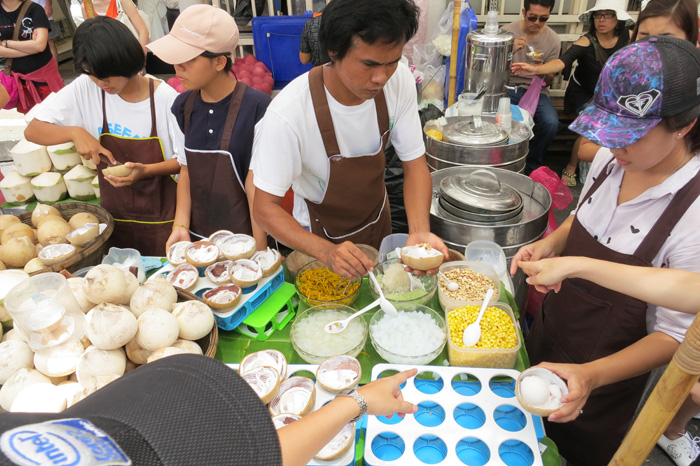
217 190
585 322
143 212
355 206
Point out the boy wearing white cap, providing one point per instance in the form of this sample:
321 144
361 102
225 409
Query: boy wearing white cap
218 116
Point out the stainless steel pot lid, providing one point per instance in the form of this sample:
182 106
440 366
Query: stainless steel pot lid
473 131
481 192
479 218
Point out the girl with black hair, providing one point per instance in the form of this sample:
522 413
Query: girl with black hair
114 115
608 33
217 114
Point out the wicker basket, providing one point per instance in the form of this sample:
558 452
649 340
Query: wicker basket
92 252
209 342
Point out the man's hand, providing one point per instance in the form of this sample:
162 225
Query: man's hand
347 260
519 43
434 241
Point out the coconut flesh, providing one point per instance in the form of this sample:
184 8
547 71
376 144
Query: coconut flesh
49 187
16 188
17 252
96 186
79 183
56 253
30 159
64 156
84 234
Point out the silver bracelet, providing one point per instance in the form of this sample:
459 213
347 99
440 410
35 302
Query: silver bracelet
355 395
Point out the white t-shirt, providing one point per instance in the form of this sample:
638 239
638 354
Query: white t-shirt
288 149
80 104
615 225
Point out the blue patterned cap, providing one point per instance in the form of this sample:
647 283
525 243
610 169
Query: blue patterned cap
641 84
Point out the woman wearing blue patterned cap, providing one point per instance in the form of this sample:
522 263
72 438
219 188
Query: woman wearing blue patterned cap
638 207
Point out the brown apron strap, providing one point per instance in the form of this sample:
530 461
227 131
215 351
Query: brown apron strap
323 111
602 176
189 105
151 89
663 227
105 130
15 34
382 114
234 106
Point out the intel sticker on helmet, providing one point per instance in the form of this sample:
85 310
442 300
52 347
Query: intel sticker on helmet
63 442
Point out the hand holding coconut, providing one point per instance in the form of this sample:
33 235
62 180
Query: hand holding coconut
136 171
580 381
428 258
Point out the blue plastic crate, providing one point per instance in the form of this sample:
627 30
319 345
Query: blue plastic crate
277 40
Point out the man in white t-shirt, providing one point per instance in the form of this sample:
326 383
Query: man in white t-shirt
325 133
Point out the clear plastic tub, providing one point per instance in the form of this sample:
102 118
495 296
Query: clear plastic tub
124 258
487 252
448 303
503 358
389 244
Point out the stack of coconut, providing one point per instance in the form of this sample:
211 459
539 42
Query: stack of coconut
127 325
49 174
52 240
230 262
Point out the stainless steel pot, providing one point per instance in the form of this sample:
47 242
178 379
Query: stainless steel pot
509 154
510 234
488 64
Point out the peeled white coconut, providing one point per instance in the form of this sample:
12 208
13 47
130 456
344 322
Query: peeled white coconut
76 287
136 353
56 253
72 392
105 284
39 398
79 183
81 218
269 260
16 382
534 390
96 362
96 186
89 163
13 335
84 234
132 284
421 257
64 156
17 252
153 293
49 187
157 328
14 355
53 231
16 188
161 353
30 159
59 361
17 230
188 346
194 318
34 265
111 326
42 212
117 170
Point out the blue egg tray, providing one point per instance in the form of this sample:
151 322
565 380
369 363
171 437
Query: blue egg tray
466 416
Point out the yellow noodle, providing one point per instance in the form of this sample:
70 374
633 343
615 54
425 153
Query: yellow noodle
323 285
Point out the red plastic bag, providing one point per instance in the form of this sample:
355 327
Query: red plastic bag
531 97
11 87
561 194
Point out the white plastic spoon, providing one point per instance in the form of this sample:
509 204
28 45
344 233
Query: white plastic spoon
340 325
472 334
452 286
383 302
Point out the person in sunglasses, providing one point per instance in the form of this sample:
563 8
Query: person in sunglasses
532 31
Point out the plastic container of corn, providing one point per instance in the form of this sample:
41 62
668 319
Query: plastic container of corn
498 357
